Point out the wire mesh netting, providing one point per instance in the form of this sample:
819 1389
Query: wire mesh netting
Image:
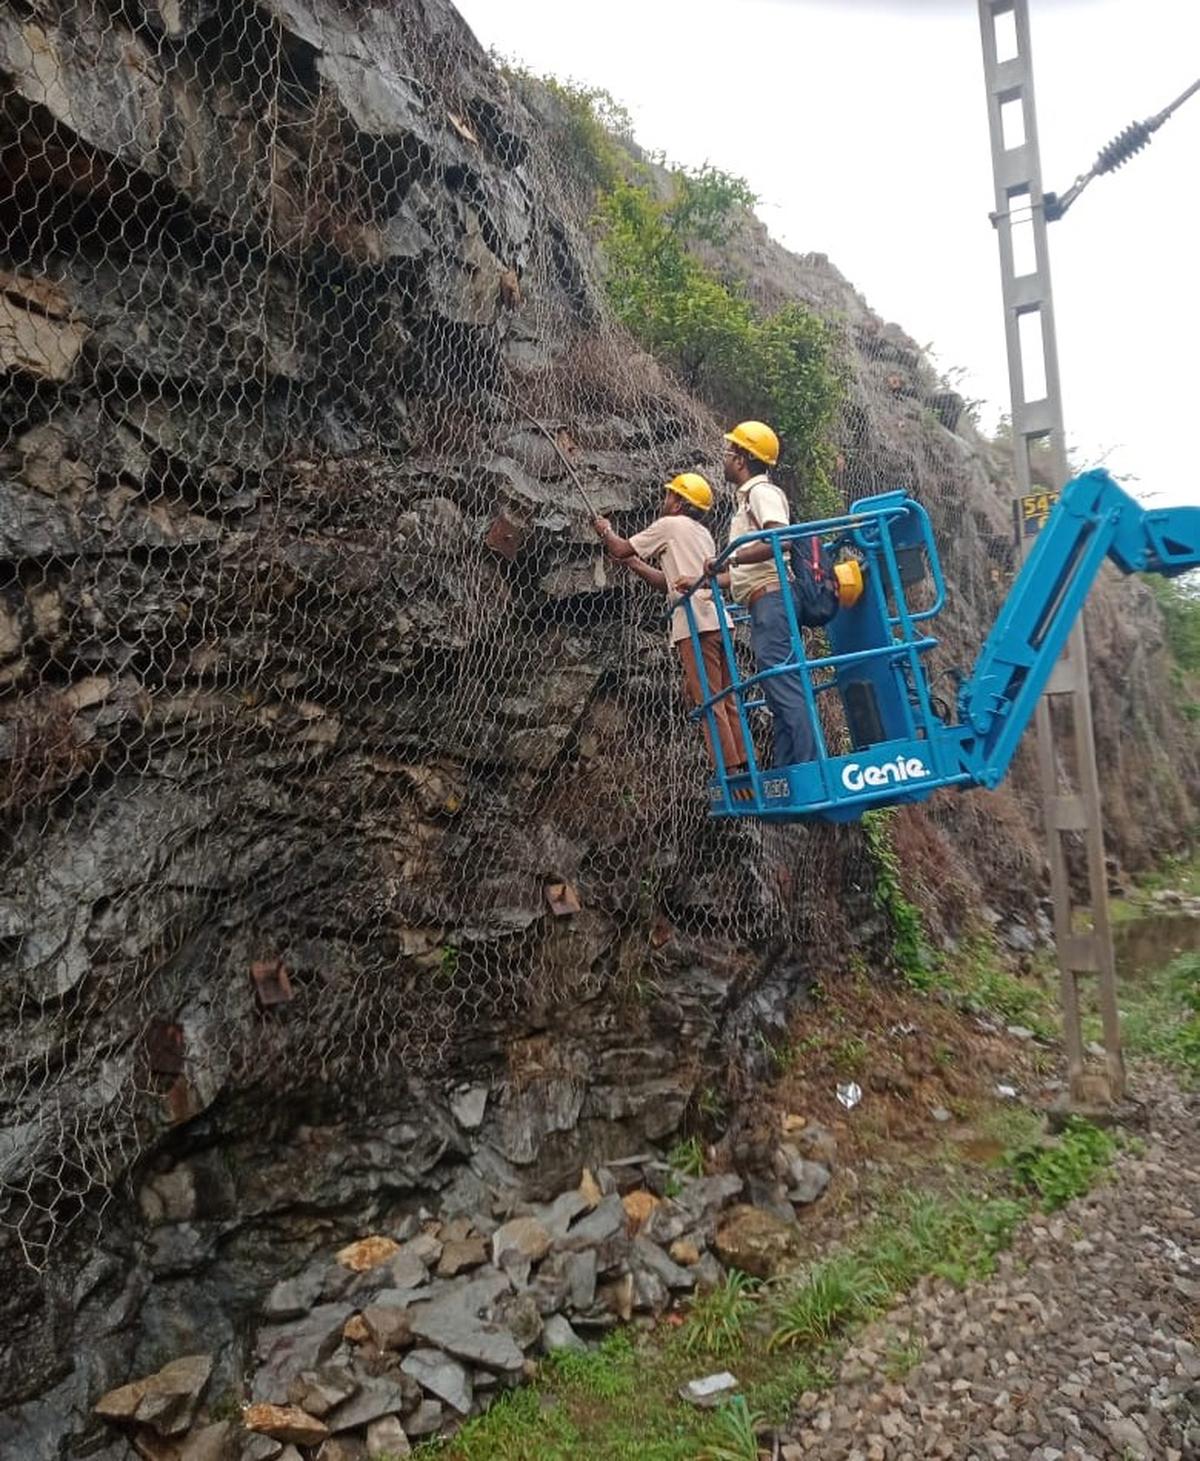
317 692
314 678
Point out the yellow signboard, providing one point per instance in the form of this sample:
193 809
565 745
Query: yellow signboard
1032 512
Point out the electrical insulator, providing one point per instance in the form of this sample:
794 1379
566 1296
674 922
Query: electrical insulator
1122 147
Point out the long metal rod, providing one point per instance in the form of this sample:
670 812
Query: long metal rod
566 461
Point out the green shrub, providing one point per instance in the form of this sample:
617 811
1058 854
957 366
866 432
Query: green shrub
1163 1015
1181 616
1066 1168
780 367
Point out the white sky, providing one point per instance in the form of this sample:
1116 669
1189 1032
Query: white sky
863 126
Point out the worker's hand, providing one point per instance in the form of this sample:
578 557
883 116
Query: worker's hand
710 567
685 585
602 526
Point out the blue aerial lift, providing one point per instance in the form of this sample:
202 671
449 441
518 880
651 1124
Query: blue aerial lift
905 744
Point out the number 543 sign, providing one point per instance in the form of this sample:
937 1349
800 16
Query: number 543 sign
1032 511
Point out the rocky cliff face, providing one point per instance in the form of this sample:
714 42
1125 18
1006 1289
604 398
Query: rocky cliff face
355 845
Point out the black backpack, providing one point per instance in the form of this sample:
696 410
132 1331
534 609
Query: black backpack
814 583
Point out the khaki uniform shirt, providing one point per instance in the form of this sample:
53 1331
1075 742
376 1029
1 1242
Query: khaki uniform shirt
759 502
684 546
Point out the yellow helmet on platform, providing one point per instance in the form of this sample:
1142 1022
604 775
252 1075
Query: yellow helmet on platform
756 438
692 487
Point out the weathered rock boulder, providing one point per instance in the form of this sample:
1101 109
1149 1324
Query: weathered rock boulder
757 1242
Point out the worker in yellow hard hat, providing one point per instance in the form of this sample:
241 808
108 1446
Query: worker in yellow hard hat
682 544
751 450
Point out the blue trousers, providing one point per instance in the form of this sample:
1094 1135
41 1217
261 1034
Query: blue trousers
771 641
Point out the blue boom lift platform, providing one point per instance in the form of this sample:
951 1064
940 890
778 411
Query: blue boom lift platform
905 744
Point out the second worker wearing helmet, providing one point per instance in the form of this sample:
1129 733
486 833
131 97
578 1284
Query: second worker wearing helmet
752 450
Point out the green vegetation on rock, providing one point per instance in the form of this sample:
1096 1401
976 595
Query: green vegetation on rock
778 366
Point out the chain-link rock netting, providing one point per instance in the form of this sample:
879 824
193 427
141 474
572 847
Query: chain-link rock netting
329 745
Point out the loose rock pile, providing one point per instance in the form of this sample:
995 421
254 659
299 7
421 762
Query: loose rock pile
402 1336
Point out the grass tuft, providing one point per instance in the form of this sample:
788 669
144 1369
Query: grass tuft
717 1321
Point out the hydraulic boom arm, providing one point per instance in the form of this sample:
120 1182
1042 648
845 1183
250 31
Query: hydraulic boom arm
1094 519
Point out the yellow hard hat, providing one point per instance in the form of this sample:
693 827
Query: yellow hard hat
692 487
759 440
849 577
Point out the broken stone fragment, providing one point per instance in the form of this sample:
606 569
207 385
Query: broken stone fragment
441 1376
408 1269
638 1205
605 1221
685 1252
425 1247
667 1222
757 1242
426 1420
580 1270
343 1448
817 1143
517 1245
520 1316
291 1298
589 1189
320 1391
166 1401
259 1448
285 1423
557 1334
455 1230
549 1286
376 1398
459 1332
388 1326
468 1104
36 345
809 1181
214 1442
386 1439
368 1253
650 1294
709 1273
617 1297
706 1196
286 1350
650 1257
461 1255
710 1391
557 1216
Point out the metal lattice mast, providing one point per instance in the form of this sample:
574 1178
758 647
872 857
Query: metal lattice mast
1037 424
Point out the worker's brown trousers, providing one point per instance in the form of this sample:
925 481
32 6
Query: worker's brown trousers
725 711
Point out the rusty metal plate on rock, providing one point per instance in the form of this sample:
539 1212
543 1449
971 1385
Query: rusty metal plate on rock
505 537
164 1046
271 982
562 898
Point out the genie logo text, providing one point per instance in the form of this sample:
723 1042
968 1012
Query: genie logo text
904 768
